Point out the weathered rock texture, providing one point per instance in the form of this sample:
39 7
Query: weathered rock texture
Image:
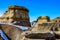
45 24
42 24
12 32
16 15
43 28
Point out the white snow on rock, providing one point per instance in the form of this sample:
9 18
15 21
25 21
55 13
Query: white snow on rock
21 27
18 26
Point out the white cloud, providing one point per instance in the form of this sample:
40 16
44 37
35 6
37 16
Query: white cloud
1 12
33 18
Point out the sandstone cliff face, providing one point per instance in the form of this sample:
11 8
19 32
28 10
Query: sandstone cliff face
42 24
16 15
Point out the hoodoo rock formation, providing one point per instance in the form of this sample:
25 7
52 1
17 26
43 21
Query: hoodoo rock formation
15 25
16 15
15 21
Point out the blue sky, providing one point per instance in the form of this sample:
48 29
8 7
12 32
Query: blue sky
36 7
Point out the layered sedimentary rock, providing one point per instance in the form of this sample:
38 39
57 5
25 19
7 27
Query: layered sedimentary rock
31 35
45 24
39 31
42 24
16 15
43 19
57 23
44 28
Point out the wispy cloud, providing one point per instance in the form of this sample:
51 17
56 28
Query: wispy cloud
33 18
1 12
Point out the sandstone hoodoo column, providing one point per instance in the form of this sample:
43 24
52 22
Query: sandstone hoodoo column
16 15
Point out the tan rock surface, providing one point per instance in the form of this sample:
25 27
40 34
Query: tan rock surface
16 15
42 24
1 38
12 32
